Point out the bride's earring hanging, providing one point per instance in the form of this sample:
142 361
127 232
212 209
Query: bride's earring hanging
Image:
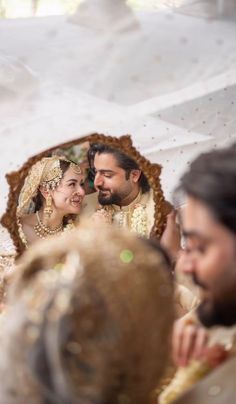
48 208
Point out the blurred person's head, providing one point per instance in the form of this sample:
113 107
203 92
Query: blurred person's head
90 320
209 226
118 178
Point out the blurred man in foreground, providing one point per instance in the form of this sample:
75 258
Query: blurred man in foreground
209 226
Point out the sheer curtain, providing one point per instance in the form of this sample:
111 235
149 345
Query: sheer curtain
165 76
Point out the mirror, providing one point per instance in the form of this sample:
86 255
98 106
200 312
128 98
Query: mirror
98 177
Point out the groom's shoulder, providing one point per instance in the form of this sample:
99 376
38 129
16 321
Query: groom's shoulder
218 387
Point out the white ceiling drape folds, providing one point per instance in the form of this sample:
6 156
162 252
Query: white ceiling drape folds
166 77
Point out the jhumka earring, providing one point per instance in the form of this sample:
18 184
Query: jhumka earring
48 208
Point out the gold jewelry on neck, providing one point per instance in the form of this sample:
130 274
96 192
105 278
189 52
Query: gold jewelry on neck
44 231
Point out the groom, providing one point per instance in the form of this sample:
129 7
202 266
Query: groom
124 194
209 227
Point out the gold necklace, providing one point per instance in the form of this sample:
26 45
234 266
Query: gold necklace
43 231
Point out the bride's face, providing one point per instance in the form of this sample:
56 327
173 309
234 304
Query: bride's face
68 196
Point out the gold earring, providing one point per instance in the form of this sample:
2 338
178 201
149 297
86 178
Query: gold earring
48 208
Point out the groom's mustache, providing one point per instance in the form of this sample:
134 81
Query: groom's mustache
102 189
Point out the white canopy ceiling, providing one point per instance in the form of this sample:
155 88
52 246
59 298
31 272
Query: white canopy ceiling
167 77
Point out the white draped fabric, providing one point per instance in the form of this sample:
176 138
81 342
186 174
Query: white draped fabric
166 77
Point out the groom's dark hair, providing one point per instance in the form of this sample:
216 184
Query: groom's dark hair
124 161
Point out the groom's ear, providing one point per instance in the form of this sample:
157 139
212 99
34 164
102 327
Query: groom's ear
135 175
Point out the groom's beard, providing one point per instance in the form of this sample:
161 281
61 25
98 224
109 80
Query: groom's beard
108 198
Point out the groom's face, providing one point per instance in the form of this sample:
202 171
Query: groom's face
111 181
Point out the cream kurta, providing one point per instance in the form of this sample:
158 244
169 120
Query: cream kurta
142 208
124 216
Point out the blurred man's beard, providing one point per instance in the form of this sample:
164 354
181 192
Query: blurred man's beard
220 309
110 199
218 312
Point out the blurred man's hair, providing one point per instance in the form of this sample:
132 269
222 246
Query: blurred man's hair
211 179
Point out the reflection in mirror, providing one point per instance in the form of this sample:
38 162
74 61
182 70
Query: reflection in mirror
103 179
51 199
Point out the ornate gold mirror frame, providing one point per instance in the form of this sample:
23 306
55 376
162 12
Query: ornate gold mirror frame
124 144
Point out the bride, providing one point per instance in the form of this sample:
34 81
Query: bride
50 199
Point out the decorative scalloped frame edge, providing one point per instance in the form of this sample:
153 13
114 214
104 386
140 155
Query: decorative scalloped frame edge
124 143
